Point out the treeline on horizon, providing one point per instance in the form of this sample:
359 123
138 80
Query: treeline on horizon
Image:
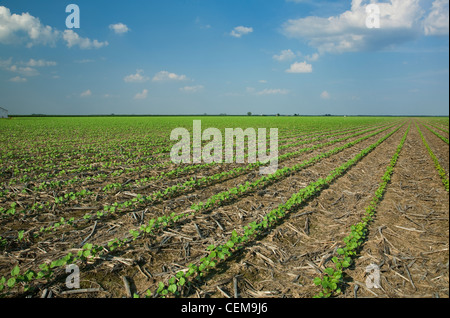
223 115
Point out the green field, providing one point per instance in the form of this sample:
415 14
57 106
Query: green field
102 193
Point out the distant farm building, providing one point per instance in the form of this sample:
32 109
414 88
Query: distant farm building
3 113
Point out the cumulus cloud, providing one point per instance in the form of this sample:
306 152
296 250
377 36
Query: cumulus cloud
401 21
313 57
119 28
18 79
40 63
239 31
166 76
86 93
273 91
300 67
73 39
142 95
192 89
24 69
136 78
437 21
285 55
24 28
267 91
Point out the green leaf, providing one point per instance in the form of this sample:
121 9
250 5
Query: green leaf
11 282
172 288
87 246
160 287
15 271
329 271
179 274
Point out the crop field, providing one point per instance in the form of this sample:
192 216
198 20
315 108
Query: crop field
100 197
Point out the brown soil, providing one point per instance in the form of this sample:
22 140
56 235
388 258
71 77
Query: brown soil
409 237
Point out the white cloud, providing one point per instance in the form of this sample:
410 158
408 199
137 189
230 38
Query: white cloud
119 28
86 93
325 95
262 81
166 76
401 21
298 67
15 29
136 78
192 89
240 31
40 63
437 21
143 95
73 39
24 71
267 91
312 58
285 55
273 91
26 29
18 79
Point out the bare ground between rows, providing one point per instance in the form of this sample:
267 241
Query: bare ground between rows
410 236
174 249
127 178
439 128
159 208
439 148
104 231
130 223
25 251
285 262
97 186
156 158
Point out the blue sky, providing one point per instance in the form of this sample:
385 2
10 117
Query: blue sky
215 56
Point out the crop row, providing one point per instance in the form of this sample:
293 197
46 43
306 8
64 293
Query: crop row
87 166
437 134
89 251
206 181
332 281
439 168
175 172
219 253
